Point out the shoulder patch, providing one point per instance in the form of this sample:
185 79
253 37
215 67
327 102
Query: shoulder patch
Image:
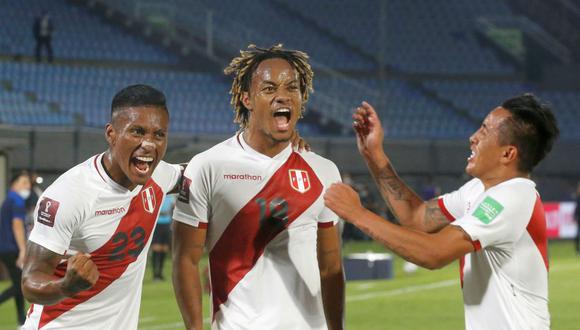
488 210
183 195
47 210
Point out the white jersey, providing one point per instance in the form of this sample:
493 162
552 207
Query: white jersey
85 210
262 216
505 281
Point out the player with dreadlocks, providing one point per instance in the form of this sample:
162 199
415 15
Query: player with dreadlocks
243 66
257 206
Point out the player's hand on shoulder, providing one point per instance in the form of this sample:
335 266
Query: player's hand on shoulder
81 274
298 143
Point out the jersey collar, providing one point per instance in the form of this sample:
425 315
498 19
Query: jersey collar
98 164
285 153
513 180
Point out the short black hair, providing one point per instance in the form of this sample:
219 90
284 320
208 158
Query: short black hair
138 96
532 129
18 175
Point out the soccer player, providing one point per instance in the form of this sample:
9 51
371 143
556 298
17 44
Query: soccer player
257 206
105 209
494 224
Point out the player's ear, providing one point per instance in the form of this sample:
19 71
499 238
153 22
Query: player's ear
510 154
246 100
110 134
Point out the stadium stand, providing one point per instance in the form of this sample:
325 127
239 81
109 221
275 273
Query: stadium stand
440 77
78 34
435 109
419 36
408 112
235 24
18 109
198 102
478 97
68 92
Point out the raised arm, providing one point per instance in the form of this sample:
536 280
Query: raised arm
41 286
331 276
188 245
409 209
430 251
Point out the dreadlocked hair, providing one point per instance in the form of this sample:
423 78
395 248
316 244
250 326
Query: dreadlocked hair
243 66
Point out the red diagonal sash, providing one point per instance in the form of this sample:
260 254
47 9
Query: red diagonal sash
113 258
245 238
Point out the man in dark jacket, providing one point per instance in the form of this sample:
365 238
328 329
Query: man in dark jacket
43 29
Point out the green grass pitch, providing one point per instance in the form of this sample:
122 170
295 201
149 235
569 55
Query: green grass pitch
422 300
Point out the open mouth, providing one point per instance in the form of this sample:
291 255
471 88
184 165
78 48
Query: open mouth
471 156
142 163
282 118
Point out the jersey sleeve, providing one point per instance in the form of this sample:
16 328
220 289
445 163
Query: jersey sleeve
168 175
453 204
56 216
327 218
192 206
500 218
18 209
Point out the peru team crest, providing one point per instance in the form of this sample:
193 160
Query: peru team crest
148 198
299 180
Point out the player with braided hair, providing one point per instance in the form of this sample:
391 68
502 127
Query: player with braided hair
256 205
242 67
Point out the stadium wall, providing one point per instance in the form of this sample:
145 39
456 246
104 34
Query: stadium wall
51 151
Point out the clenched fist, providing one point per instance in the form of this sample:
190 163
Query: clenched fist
343 201
81 274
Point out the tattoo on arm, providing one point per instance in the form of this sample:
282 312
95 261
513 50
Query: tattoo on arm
392 188
390 183
434 219
40 285
465 235
398 247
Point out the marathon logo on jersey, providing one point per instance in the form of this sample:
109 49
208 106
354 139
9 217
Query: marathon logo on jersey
183 195
110 211
47 211
488 210
249 177
148 197
299 180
